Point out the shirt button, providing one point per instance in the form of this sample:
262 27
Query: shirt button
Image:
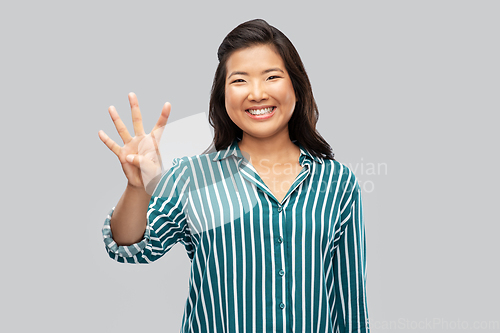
280 209
282 305
282 272
280 239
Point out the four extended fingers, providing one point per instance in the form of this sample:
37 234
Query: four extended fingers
137 122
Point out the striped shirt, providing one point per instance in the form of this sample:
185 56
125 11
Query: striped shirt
259 265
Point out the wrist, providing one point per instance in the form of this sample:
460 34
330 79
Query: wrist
136 189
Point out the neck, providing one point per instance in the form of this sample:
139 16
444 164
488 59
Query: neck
275 149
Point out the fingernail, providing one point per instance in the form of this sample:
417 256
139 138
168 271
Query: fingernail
130 158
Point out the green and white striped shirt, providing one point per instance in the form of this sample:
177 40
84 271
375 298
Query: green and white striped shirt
259 265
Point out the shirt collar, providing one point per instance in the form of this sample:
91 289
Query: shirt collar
234 149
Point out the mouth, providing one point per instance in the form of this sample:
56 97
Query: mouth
260 111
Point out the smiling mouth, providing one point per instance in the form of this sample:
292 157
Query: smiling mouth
257 112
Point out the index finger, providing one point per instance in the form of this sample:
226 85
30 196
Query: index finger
136 115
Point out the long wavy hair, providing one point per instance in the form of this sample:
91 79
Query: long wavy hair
302 124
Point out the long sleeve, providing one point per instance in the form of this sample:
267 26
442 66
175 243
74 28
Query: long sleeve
350 267
167 220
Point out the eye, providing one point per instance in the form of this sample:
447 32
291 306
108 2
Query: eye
273 77
238 81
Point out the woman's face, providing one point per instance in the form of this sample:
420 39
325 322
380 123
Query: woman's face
257 80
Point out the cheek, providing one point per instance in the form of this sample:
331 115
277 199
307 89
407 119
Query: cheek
291 98
291 93
234 98
288 96
229 98
232 105
284 92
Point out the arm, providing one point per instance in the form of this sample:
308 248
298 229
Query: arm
350 267
126 231
167 222
129 217
141 164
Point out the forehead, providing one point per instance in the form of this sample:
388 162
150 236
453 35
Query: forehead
255 57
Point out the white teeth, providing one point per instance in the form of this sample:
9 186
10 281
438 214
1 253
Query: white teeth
261 111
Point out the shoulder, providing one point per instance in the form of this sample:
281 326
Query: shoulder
183 171
343 181
340 173
195 159
194 163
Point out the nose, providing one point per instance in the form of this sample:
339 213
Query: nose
257 92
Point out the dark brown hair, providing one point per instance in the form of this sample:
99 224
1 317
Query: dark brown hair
302 124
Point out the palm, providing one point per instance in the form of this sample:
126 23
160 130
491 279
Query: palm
146 165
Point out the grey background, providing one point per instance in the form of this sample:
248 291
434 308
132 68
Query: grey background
412 85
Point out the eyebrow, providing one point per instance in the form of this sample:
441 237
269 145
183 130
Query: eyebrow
276 69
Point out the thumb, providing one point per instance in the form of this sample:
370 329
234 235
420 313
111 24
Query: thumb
134 159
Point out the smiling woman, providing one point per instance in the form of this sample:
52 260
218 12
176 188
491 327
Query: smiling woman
272 223
241 56
260 99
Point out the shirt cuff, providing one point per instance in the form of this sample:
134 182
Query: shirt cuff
122 251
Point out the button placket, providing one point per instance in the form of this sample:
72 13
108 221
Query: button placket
281 272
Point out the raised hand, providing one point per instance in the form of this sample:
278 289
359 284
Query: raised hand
140 155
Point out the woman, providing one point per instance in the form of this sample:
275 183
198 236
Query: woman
272 223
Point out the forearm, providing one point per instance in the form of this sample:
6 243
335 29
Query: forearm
129 220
